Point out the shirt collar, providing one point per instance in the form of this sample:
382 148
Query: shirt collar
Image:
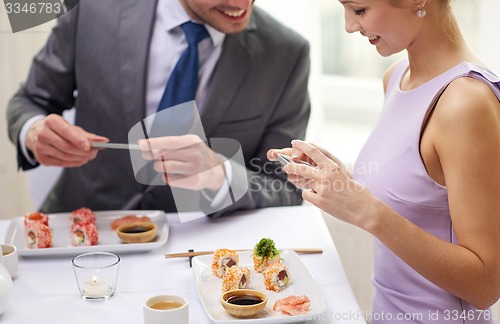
172 14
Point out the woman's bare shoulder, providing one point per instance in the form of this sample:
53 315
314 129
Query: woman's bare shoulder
468 98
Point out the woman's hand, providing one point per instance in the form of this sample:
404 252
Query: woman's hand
331 187
297 181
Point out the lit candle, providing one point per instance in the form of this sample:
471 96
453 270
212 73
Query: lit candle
96 287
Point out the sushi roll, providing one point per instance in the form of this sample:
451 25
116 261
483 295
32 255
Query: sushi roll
38 235
265 254
276 277
235 278
36 217
84 234
83 215
260 264
223 259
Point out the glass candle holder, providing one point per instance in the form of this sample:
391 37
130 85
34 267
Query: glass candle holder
96 274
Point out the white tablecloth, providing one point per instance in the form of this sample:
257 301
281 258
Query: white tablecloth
46 292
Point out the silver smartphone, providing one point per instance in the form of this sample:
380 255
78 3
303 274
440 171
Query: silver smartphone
285 159
114 146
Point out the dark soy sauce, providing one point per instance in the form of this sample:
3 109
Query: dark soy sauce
244 300
136 229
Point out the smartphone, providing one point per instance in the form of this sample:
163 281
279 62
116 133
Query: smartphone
116 146
285 159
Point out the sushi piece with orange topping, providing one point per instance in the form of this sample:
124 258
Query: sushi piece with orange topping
84 215
222 260
38 235
265 254
235 278
84 234
36 217
276 277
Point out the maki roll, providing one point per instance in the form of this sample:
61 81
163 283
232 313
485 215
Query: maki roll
38 235
83 215
265 254
260 264
276 277
235 278
84 234
36 217
223 259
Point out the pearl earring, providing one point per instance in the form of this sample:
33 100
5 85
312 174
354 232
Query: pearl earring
421 12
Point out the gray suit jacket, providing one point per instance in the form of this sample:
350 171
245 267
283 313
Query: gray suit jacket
257 96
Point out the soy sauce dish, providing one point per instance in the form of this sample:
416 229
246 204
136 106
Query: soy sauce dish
243 303
137 232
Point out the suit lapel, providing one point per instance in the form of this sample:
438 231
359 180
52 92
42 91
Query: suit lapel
136 27
230 71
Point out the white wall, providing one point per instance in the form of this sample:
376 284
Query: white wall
303 17
488 42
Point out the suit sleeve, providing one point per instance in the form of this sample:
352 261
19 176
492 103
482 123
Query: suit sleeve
265 182
51 84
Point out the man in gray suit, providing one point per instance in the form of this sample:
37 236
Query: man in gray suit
111 60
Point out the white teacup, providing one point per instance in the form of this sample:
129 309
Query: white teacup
10 259
166 309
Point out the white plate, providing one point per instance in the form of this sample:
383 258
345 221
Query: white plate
109 241
209 286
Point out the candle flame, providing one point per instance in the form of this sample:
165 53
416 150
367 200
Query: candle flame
94 279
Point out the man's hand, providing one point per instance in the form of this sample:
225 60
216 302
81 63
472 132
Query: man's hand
185 162
55 142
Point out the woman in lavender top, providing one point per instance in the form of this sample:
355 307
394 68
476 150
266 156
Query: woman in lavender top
426 184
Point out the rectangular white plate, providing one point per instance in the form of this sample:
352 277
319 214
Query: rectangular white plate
109 241
209 286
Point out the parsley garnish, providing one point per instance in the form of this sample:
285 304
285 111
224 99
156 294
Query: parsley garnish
266 248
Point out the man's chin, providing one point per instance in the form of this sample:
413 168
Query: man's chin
232 28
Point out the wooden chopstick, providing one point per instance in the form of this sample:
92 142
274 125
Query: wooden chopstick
193 254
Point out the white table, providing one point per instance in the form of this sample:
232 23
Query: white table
46 292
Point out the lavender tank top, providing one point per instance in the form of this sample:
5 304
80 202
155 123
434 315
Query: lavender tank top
390 166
